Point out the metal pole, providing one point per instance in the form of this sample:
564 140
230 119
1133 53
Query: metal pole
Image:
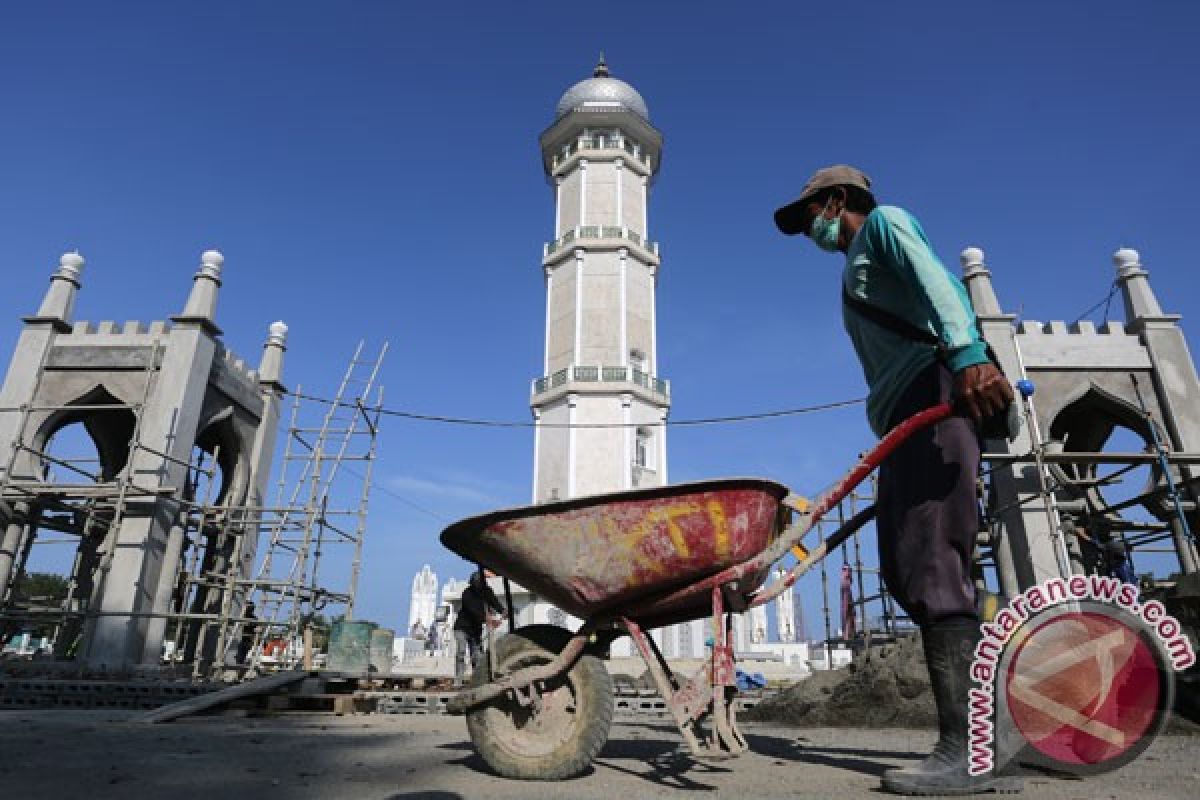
1184 540
825 597
1025 390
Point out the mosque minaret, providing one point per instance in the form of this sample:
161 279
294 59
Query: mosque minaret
600 368
601 362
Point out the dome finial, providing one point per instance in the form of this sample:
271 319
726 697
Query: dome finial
601 70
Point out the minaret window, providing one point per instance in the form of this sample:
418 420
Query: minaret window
643 450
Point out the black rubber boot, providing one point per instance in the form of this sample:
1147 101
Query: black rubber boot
949 648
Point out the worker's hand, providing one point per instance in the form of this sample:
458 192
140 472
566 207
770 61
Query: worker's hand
982 390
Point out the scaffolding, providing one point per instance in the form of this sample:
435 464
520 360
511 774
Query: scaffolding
314 511
294 545
873 615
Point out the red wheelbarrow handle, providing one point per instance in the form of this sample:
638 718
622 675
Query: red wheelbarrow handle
793 534
873 458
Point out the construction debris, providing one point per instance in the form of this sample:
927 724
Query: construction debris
884 686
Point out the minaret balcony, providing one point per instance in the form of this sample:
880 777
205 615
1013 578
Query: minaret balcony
599 236
601 148
577 378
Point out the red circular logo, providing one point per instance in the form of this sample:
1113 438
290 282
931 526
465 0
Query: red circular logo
1085 689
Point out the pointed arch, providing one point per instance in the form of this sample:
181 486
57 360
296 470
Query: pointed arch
1085 422
218 436
110 429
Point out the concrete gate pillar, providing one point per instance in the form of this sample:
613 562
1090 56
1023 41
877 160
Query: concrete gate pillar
1023 546
147 395
129 585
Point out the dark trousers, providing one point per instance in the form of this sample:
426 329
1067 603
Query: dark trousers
467 649
927 515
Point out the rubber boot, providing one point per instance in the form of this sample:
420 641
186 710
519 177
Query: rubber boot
949 648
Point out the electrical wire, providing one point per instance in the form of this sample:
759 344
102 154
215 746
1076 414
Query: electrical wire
492 423
382 487
1106 302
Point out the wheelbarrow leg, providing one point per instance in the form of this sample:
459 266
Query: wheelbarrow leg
724 681
681 710
708 693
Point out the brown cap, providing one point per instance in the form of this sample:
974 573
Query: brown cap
789 219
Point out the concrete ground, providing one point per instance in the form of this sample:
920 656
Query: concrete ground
100 754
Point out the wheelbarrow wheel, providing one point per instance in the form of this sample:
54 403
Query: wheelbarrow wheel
554 735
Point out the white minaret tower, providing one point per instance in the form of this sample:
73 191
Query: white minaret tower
601 361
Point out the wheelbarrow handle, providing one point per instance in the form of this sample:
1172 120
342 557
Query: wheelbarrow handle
878 454
792 535
866 465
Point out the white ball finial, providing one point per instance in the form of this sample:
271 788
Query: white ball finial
70 265
971 257
279 331
212 258
1126 258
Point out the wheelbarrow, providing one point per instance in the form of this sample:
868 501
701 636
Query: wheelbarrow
540 706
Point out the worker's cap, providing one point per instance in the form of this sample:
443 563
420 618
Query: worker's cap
790 218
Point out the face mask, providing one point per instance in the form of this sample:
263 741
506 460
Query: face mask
824 232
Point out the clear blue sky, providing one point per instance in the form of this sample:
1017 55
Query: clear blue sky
371 170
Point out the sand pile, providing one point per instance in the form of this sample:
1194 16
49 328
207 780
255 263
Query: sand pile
886 686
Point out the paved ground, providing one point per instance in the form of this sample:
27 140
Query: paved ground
97 755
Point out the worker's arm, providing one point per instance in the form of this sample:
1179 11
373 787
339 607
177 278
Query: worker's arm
896 240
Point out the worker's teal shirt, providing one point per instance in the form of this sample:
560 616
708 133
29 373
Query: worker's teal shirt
890 264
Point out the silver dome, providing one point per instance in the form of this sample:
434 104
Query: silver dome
602 91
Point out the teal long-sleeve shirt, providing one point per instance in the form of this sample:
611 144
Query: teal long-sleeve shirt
891 265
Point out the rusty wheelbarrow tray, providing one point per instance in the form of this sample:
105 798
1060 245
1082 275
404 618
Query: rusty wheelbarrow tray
607 552
624 563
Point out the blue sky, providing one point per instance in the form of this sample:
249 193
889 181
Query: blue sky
370 170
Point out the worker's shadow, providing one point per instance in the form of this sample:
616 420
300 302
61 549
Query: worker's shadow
854 759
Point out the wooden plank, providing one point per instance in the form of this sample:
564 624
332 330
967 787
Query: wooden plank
259 686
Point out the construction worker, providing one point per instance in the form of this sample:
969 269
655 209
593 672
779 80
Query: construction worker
914 331
1116 561
477 597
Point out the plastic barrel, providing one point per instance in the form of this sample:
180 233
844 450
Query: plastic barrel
381 650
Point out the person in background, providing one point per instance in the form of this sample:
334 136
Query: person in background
477 598
849 620
248 632
1116 557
